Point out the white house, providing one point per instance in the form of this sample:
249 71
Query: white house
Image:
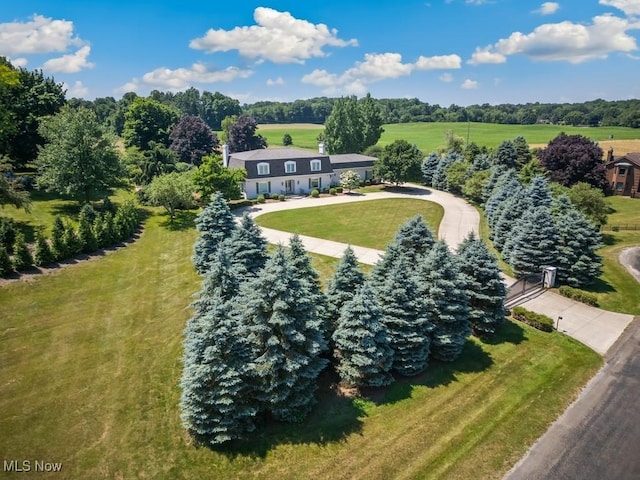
293 171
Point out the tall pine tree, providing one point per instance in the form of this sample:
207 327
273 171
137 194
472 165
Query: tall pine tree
484 286
429 166
414 238
247 248
346 280
534 244
215 223
217 399
445 300
362 349
286 337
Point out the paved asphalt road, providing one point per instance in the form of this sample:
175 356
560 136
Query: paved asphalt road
598 437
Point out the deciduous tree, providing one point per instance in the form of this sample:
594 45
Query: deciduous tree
400 162
350 180
191 139
147 120
240 134
173 191
212 176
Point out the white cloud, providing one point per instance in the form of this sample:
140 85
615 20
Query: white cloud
439 62
132 86
71 63
375 67
278 81
446 77
78 90
40 35
483 55
548 8
185 77
277 36
564 41
469 84
19 62
629 7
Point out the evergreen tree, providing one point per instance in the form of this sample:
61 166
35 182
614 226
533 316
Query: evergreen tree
308 279
429 166
538 192
512 210
346 280
439 179
523 151
506 155
6 267
43 254
71 241
99 231
414 238
443 290
22 258
286 336
215 223
86 236
381 269
578 240
361 345
505 188
216 402
405 321
58 247
534 244
481 162
108 229
247 248
126 220
484 286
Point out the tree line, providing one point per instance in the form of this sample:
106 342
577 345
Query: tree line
263 329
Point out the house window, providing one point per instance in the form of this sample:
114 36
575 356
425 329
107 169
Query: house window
290 167
315 183
263 187
622 171
263 169
316 165
619 186
368 174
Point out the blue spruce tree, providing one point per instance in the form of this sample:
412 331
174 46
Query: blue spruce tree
414 238
364 357
429 166
215 223
484 286
346 280
439 179
538 192
445 300
513 209
406 323
247 248
286 337
216 403
507 186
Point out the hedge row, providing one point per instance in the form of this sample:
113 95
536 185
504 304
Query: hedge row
535 320
579 295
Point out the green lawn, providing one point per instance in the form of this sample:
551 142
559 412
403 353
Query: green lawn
431 136
370 224
91 359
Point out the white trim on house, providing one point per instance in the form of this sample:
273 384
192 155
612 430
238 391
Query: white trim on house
298 185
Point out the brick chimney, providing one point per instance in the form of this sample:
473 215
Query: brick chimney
610 154
321 148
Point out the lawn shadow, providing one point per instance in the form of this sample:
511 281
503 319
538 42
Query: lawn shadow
609 239
508 332
184 220
473 359
27 228
407 190
600 286
333 419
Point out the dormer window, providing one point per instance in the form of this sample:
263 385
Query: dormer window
290 167
263 169
622 171
316 165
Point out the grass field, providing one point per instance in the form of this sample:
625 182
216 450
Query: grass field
91 359
431 136
370 224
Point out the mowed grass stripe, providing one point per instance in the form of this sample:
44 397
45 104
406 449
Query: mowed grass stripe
370 224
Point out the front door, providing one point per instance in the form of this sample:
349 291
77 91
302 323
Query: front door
289 185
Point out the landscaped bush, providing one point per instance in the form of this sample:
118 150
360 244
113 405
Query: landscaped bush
281 197
7 233
43 255
6 266
233 204
315 193
579 295
332 191
533 319
261 199
22 258
339 189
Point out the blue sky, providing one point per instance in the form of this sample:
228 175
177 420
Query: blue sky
440 51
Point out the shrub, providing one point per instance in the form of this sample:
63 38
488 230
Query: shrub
535 320
261 199
233 204
58 247
579 295
43 255
5 262
22 258
332 191
281 197
367 182
339 189
315 193
7 233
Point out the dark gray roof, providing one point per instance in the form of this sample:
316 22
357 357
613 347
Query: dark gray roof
276 157
633 157
351 160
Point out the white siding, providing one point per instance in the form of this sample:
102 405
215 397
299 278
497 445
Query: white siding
277 184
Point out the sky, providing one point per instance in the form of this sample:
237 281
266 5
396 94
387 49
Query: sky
443 52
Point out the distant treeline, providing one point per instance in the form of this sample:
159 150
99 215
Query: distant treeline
214 107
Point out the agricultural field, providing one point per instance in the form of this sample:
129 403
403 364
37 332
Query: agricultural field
91 358
431 136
